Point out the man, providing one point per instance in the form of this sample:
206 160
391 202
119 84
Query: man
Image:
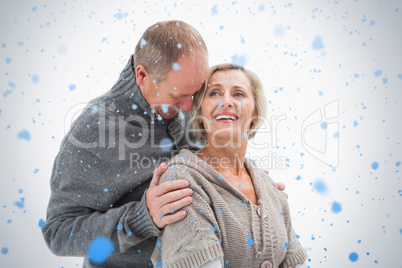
107 160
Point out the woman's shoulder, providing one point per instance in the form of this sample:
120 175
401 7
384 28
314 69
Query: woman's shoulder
184 165
183 158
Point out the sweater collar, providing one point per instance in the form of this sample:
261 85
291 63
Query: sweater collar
191 160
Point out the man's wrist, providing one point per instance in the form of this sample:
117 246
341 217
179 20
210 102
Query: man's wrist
141 221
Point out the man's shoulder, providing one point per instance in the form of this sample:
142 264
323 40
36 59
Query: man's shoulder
86 127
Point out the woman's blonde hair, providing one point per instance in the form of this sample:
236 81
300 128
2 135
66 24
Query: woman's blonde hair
258 94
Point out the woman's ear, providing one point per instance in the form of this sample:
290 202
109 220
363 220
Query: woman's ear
200 119
253 123
254 116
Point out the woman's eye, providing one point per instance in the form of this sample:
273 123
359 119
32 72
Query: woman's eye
214 93
239 94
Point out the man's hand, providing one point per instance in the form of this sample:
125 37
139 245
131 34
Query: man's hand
164 199
281 187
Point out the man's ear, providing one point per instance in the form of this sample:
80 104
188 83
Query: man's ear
141 75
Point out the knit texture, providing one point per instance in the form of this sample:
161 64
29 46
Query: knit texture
100 175
222 222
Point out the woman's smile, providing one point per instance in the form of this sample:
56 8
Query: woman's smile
226 117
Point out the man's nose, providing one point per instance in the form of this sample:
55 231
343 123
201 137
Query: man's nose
186 104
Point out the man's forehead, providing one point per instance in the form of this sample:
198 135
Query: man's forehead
175 95
191 68
185 79
184 91
185 82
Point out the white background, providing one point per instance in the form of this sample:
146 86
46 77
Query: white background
46 46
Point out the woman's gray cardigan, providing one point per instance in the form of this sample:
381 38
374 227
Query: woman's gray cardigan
222 222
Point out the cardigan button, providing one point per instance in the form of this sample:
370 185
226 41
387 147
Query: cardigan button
259 211
262 213
266 264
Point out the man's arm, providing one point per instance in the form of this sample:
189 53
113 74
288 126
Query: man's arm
81 207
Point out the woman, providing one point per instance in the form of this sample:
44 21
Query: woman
238 218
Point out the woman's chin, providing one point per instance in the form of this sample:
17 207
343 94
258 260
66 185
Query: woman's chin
229 139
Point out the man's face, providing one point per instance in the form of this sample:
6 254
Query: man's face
177 89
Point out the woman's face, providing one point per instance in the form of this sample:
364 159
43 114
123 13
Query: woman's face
228 108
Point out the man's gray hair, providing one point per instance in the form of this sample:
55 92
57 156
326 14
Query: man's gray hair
163 43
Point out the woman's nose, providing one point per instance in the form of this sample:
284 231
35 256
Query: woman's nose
226 101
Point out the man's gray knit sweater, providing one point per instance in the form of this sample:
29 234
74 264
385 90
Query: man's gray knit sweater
223 222
105 164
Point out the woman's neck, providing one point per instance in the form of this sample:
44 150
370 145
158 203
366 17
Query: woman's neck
225 160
